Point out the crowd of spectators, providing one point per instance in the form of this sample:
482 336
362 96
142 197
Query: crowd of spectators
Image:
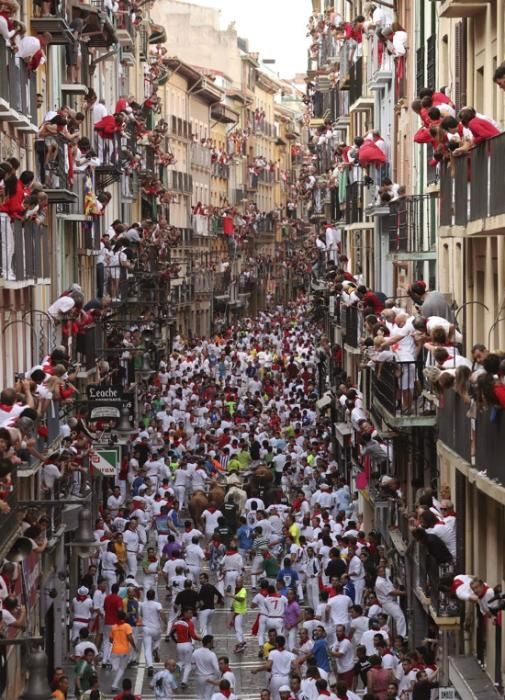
450 132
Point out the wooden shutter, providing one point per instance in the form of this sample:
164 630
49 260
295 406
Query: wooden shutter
460 93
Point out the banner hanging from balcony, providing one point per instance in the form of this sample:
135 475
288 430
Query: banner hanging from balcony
106 461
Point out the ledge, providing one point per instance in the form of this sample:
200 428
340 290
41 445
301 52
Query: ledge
483 483
470 681
399 422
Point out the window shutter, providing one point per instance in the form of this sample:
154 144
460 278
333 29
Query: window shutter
460 96
419 69
431 76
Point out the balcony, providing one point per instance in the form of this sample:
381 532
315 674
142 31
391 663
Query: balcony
411 228
18 89
490 444
352 327
56 25
398 391
24 253
329 51
200 156
9 523
461 8
55 176
454 426
88 347
223 114
220 170
381 66
428 575
354 202
200 224
359 101
475 196
252 182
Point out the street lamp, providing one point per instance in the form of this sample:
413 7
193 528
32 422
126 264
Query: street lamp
37 687
84 538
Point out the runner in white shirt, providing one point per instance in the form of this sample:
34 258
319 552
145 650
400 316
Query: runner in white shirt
152 618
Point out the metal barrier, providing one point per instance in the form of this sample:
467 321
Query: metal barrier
477 189
398 388
410 224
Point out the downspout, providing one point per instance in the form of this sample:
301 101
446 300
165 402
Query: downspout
500 9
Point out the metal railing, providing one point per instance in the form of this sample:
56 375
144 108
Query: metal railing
490 443
454 425
398 388
88 345
24 250
354 202
201 224
200 156
477 189
356 78
18 87
411 224
221 170
352 325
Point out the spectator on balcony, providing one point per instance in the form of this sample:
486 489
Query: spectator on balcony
73 51
396 39
481 127
30 49
434 544
499 76
430 303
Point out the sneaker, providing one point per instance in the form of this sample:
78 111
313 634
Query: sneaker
184 686
156 656
150 671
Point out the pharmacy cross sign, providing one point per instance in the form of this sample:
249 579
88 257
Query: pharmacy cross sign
106 461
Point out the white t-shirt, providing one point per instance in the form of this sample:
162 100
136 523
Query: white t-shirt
346 662
281 662
50 474
150 614
339 609
275 605
205 662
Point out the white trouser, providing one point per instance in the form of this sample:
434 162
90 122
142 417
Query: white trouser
150 583
239 630
184 654
119 664
194 572
162 540
152 638
204 690
180 492
205 618
313 591
107 644
359 587
393 609
131 563
291 638
111 578
275 623
229 580
76 627
262 624
134 652
299 584
275 683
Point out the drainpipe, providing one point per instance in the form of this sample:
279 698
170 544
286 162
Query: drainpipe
500 9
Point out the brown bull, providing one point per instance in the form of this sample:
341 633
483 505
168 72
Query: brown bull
200 501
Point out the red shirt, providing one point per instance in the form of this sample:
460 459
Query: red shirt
112 604
184 631
228 228
482 129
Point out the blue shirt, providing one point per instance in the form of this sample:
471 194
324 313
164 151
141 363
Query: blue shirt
244 537
320 652
289 577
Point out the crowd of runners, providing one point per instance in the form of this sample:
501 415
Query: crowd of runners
233 499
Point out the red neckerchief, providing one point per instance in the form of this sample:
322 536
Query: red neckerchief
486 589
212 509
226 693
231 551
81 598
6 407
327 692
